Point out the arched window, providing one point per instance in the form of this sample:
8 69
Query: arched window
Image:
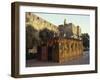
68 47
75 45
37 18
72 46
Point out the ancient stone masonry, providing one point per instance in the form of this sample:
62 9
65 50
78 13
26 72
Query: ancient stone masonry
39 23
66 49
67 46
69 30
61 50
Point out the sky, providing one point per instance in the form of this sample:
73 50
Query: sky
81 20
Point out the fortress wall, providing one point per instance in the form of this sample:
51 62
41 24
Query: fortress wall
39 23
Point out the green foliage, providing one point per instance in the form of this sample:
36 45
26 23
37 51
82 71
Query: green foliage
32 37
86 40
46 34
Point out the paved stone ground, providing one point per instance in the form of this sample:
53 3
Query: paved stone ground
78 61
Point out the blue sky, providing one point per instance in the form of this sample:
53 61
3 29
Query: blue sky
82 20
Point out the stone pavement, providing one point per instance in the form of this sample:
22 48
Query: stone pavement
84 59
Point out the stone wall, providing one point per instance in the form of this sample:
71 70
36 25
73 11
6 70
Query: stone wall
62 50
70 30
67 49
38 23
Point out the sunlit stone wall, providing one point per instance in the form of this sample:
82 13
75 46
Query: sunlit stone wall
38 23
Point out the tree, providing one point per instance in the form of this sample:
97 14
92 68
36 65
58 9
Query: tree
32 40
86 39
32 37
46 34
